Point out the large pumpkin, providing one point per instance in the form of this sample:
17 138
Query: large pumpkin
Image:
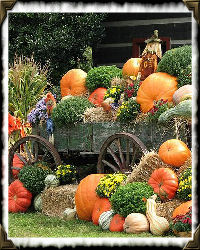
164 183
19 198
156 86
86 196
131 67
97 96
73 83
17 166
101 205
182 209
174 152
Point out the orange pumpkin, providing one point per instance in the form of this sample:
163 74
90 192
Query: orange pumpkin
19 198
97 96
155 87
73 83
182 209
164 183
116 224
101 205
85 196
17 166
174 152
131 67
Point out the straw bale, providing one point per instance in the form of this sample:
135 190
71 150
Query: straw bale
98 114
148 163
187 164
165 209
56 199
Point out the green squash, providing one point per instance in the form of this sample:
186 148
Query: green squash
105 219
51 181
38 202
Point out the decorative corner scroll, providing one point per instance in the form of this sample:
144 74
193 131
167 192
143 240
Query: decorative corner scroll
195 243
194 5
4 242
6 5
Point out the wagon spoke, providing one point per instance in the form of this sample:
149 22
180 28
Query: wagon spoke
116 159
110 165
27 151
21 158
135 150
127 153
120 152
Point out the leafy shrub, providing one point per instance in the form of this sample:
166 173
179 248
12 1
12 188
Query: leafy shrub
128 111
101 76
178 62
184 191
70 110
129 198
33 176
109 183
66 174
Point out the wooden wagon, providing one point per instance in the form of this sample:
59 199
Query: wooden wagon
118 147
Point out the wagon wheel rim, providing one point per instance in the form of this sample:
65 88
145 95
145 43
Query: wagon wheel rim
32 149
120 152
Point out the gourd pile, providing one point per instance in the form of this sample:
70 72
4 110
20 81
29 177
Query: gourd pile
120 203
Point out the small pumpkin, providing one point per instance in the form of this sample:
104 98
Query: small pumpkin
73 83
131 67
38 202
136 223
183 93
97 96
174 152
164 183
17 166
101 205
19 198
105 219
106 104
85 196
51 181
182 209
158 224
117 223
156 86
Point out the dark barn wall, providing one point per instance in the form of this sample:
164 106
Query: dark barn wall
121 28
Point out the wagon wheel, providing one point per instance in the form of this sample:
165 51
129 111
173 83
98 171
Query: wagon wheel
119 152
32 149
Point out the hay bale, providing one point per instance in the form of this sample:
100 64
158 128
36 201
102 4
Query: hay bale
98 114
165 209
187 164
148 163
56 199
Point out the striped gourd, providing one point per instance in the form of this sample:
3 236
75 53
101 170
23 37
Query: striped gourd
38 202
51 181
105 219
158 225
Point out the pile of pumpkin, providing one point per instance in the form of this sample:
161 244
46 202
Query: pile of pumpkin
102 211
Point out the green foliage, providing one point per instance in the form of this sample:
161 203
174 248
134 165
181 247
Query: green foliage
61 39
109 184
129 198
184 191
178 62
128 111
66 174
159 107
26 83
33 176
101 76
70 110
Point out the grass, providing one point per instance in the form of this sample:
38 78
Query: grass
35 224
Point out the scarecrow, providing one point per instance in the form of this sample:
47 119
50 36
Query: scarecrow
150 56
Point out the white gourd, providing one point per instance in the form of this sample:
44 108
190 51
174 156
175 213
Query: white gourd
51 181
105 219
158 224
38 202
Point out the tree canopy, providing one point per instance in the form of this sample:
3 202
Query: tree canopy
56 39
